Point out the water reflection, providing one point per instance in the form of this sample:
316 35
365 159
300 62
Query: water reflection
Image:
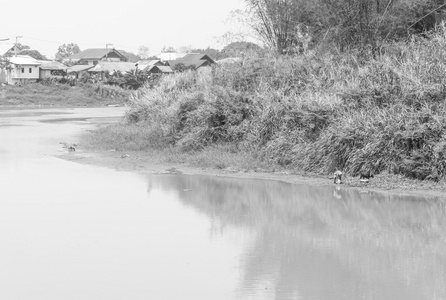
72 231
326 242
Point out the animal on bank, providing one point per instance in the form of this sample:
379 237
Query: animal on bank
337 177
364 176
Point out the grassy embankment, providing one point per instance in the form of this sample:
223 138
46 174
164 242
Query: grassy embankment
61 95
313 113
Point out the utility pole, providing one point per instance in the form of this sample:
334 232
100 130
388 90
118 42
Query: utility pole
15 45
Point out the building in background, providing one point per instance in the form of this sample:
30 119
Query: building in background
93 56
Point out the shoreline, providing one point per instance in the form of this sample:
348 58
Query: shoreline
144 163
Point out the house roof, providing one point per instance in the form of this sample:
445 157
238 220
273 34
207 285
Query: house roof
145 65
195 60
24 60
94 53
4 48
109 66
194 63
52 65
78 68
160 69
197 56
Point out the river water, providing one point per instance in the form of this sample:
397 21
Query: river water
74 231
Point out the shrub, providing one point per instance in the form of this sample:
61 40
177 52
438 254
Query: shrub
314 112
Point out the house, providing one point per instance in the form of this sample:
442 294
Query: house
22 69
144 65
95 55
159 70
192 60
111 67
52 69
76 70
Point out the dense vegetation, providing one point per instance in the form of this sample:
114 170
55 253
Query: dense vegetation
294 25
316 112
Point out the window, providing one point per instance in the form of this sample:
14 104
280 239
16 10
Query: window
30 70
23 70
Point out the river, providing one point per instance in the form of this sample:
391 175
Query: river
76 231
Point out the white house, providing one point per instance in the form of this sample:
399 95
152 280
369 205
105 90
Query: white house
170 56
21 69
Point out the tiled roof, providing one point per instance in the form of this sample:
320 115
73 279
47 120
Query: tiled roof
145 65
160 69
196 56
192 59
93 53
78 68
4 48
195 63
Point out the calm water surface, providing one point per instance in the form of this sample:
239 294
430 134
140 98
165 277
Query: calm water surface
73 231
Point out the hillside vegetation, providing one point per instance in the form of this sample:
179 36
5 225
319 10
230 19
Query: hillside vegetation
314 112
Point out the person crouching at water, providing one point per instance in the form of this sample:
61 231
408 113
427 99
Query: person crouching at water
338 177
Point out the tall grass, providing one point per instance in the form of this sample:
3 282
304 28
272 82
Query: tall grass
317 112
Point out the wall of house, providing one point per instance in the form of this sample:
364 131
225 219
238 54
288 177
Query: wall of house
25 72
15 75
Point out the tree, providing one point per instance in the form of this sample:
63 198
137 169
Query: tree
212 53
34 54
67 50
144 52
4 61
353 23
240 48
168 49
21 47
288 26
184 49
281 24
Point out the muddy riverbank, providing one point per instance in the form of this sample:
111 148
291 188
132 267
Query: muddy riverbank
157 162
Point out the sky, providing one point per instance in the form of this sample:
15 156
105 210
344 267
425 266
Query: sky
46 24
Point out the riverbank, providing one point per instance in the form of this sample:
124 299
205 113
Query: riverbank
218 162
37 95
